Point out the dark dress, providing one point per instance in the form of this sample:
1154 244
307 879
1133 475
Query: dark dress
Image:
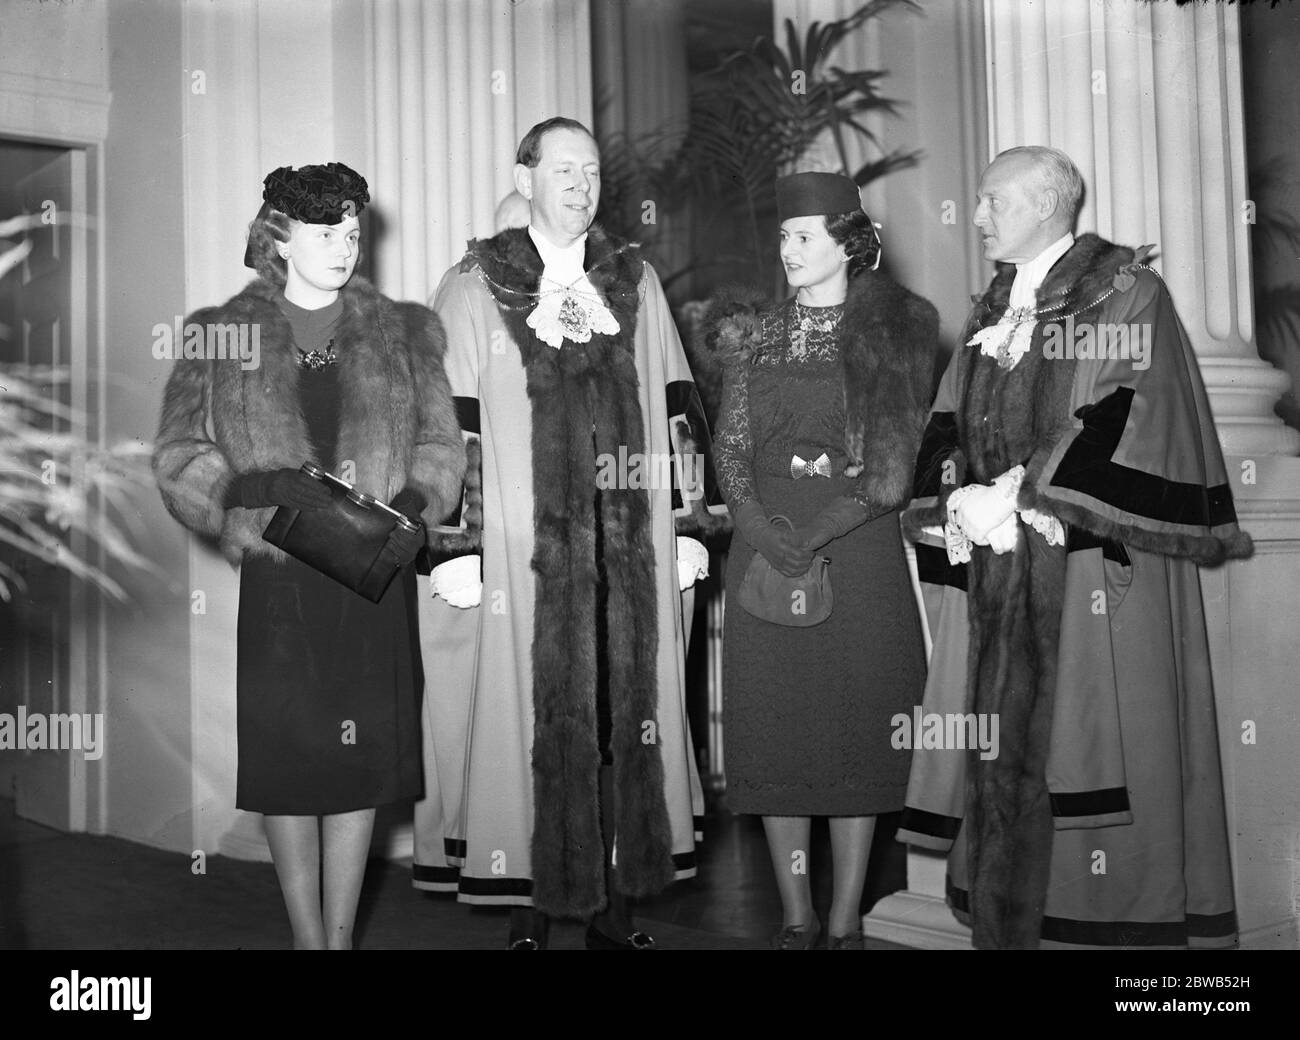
328 683
807 711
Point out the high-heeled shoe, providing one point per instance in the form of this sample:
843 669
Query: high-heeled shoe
795 937
598 940
852 941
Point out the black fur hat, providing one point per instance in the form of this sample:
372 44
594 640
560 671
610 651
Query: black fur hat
317 194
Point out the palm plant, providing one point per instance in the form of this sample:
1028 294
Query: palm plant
64 501
763 109
51 477
754 116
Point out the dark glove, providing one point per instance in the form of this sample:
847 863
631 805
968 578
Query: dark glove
404 545
409 502
280 487
777 546
838 518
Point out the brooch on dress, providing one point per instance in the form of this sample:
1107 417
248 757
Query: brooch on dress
805 323
317 359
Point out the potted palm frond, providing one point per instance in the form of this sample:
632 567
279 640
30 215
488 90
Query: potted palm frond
759 113
64 500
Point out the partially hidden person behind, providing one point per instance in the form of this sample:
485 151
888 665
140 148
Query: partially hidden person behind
824 401
328 684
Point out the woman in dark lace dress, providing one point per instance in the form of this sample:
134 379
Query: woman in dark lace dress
825 395
327 683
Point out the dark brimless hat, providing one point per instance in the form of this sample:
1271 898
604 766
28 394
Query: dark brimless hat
312 194
816 194
316 194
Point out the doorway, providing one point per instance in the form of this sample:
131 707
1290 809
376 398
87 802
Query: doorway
45 622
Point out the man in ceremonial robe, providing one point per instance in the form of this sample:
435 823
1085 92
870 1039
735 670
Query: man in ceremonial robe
569 754
1069 484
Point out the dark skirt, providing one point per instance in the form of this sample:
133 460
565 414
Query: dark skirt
807 712
329 688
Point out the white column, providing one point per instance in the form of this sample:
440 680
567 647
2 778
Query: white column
1146 98
455 85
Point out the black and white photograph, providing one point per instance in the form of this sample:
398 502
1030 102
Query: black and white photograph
650 475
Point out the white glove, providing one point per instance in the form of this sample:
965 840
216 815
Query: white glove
982 508
692 562
458 581
1003 538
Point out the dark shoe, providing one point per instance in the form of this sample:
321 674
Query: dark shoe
598 940
852 941
797 937
529 930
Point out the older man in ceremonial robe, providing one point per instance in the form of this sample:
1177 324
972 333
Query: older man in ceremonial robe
1069 484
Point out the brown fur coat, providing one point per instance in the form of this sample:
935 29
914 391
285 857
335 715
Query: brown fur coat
397 423
888 341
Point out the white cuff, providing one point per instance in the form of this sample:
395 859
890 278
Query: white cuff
1009 483
1045 524
955 538
692 562
458 581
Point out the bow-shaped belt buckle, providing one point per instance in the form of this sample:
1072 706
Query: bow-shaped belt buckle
818 467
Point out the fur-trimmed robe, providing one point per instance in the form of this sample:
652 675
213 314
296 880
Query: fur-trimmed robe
397 424
524 828
1100 819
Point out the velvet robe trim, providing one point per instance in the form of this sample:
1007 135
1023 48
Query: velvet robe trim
397 424
585 398
888 339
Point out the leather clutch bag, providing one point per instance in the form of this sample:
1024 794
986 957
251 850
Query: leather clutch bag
777 598
344 540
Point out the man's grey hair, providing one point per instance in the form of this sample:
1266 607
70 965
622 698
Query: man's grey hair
1057 171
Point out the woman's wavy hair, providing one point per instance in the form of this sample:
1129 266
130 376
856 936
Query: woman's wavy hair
268 227
857 234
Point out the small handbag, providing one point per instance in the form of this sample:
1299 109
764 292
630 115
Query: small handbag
795 602
345 539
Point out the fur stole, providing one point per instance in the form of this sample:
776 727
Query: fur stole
397 424
888 339
585 399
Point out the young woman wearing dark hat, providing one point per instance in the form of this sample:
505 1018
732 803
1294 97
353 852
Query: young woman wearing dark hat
327 682
825 398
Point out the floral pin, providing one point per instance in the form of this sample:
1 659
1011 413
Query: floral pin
1124 279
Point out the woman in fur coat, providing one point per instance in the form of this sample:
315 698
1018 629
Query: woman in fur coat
825 397
339 375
